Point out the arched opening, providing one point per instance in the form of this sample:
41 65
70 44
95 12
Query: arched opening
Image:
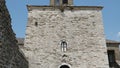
64 66
64 45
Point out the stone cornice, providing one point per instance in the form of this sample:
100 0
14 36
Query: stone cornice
51 8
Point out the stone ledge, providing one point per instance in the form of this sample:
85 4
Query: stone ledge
31 7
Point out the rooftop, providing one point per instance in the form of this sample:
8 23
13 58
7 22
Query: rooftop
112 41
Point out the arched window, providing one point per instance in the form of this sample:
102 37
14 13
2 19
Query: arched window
64 66
63 45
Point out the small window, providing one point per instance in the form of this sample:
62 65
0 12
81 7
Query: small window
65 1
63 45
36 23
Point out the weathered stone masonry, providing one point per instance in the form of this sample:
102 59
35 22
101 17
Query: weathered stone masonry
81 27
10 55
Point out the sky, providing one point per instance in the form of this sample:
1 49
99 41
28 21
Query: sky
111 15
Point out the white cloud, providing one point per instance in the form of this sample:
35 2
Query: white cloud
118 34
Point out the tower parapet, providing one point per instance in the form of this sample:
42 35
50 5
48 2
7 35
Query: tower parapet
61 2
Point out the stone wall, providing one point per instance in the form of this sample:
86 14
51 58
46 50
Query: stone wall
10 55
80 26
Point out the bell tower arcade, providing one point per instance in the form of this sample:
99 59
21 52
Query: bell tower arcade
61 2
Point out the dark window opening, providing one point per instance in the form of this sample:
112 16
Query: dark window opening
65 1
36 23
111 58
64 66
0 10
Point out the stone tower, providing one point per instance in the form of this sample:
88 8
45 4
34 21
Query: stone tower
65 36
